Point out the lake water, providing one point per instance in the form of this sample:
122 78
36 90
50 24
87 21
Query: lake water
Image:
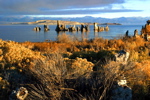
22 33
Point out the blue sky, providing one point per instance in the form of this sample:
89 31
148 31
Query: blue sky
75 8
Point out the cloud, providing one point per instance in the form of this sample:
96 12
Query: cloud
61 7
37 6
89 11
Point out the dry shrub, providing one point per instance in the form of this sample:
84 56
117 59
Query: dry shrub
138 74
28 45
79 66
112 71
99 44
140 42
134 55
16 54
49 75
64 38
144 67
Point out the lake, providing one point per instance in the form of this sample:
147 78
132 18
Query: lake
22 33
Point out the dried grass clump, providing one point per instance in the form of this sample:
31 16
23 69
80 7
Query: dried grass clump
64 38
13 53
49 74
79 66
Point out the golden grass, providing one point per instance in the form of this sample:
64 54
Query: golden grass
50 62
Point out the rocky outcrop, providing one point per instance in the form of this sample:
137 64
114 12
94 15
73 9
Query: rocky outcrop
136 33
46 28
100 29
122 56
72 28
60 27
37 28
95 27
145 31
85 28
106 28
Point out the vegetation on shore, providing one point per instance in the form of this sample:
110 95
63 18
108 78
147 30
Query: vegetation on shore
69 69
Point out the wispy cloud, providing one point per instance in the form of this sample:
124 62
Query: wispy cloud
63 7
43 6
87 11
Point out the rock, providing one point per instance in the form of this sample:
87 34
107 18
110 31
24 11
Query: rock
100 29
122 56
127 33
136 33
121 93
72 28
37 28
78 28
147 37
106 28
60 27
87 28
95 27
122 82
120 90
145 31
46 28
19 94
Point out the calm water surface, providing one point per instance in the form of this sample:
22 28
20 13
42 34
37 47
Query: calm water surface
22 33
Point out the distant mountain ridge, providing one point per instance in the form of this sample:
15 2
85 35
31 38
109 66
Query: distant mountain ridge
86 19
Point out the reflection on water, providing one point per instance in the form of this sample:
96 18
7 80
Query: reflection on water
21 33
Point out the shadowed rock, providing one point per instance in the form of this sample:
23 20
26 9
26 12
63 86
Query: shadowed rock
78 28
18 94
37 28
46 28
127 33
100 29
147 37
85 28
106 28
95 27
145 31
136 33
72 28
122 56
119 92
60 27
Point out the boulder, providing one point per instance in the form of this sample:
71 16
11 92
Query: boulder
46 28
106 28
136 33
121 93
122 56
127 33
19 94
95 27
120 90
37 28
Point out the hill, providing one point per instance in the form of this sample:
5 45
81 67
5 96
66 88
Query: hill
49 22
54 22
